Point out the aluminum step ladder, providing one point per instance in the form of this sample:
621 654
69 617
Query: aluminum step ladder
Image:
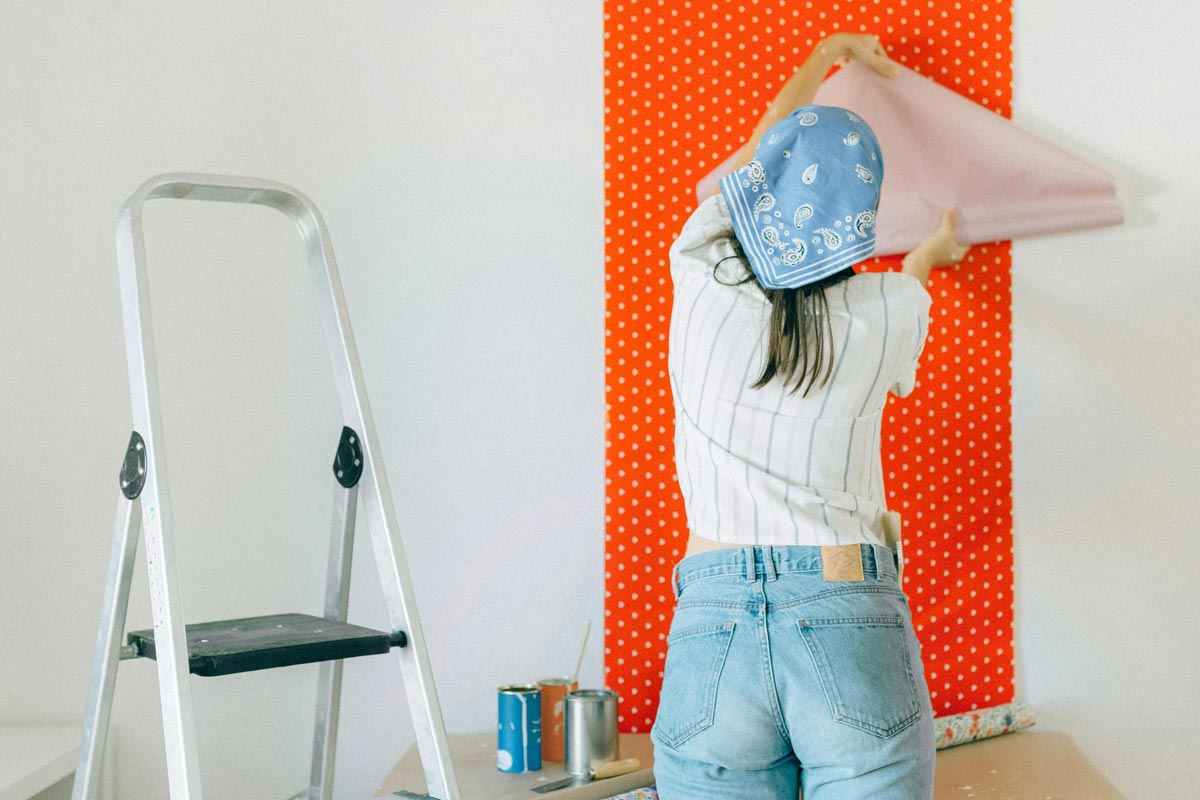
231 646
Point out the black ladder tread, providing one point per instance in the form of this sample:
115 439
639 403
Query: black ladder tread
231 646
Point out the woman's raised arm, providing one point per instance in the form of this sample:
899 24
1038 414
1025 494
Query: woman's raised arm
801 88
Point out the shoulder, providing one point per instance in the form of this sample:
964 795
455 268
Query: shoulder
708 223
706 251
890 288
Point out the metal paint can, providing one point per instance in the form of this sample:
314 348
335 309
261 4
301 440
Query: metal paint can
591 729
519 729
554 723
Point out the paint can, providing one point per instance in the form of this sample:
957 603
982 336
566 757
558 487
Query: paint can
554 693
591 729
519 729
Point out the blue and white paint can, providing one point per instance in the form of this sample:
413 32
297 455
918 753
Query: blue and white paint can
519 729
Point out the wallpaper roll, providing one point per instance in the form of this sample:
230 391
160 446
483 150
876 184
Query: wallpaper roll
982 723
942 150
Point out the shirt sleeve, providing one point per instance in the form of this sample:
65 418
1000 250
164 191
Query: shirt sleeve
706 238
916 317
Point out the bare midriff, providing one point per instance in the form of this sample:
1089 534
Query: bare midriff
697 544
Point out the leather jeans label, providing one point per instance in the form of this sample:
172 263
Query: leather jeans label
842 562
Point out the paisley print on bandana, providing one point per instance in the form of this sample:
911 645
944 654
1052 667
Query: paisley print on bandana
864 222
833 239
812 161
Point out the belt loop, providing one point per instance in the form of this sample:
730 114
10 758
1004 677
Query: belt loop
675 581
885 566
768 562
748 554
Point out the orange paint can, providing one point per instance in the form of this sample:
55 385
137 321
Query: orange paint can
554 728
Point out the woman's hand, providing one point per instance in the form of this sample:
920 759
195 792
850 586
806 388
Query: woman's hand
862 47
939 250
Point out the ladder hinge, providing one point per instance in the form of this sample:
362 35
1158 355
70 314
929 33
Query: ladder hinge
133 468
399 639
348 462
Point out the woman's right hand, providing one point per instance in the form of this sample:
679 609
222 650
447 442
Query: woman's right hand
862 47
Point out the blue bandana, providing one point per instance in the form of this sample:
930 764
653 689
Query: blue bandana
804 208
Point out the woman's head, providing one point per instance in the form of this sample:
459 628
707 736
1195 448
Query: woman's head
804 207
803 212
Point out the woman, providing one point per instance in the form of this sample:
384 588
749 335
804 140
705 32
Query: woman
792 657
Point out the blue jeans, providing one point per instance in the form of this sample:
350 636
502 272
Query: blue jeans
777 680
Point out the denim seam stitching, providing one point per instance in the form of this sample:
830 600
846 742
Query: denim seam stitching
684 582
699 575
697 630
768 669
871 621
822 595
841 590
717 604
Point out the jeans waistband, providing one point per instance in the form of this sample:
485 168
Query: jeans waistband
769 561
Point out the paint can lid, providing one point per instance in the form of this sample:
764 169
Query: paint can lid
591 695
554 681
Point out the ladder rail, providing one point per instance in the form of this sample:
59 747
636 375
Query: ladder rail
375 492
108 650
337 601
175 698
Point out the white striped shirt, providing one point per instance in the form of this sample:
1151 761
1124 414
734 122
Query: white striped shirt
764 466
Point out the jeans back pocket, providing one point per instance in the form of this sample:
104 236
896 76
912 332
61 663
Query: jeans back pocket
688 702
865 669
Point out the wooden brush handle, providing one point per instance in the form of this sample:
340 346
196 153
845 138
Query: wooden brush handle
611 769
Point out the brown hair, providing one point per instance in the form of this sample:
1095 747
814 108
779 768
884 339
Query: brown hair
799 332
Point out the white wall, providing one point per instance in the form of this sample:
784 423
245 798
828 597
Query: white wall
455 150
1106 329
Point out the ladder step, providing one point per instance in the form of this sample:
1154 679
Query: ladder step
281 640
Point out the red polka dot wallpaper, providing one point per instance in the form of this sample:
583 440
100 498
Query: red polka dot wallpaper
685 82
